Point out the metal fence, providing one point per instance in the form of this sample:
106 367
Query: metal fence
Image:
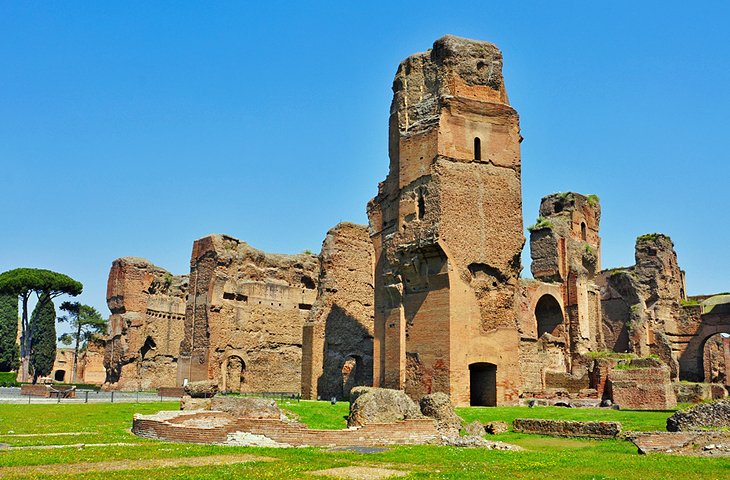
12 395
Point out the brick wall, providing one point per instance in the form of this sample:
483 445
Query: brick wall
642 388
408 432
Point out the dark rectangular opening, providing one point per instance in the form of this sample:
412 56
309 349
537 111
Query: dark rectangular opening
483 384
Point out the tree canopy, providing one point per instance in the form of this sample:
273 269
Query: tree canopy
86 322
47 285
22 281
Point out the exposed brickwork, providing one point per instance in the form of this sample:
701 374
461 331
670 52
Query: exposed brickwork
244 316
337 350
146 325
642 388
408 432
34 390
447 227
171 392
676 442
567 428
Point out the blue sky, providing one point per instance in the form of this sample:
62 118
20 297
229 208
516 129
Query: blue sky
134 128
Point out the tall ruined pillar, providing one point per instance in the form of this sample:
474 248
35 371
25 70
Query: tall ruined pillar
194 348
565 247
447 229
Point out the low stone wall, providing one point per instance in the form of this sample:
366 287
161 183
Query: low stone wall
642 388
713 415
681 442
214 427
567 428
177 392
566 381
34 390
48 391
688 392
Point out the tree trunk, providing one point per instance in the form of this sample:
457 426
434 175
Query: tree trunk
76 350
24 342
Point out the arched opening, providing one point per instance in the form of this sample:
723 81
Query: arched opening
483 385
149 344
583 231
352 373
59 376
549 316
477 148
716 359
234 371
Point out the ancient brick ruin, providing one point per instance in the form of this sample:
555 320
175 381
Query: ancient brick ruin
429 298
338 335
244 316
146 326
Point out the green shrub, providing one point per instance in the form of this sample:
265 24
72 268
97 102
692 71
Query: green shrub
541 223
7 379
652 237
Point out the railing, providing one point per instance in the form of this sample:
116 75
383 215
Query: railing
275 395
84 395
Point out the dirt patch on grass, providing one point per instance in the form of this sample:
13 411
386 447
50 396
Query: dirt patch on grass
76 468
359 473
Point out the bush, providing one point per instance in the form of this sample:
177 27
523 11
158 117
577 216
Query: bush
7 379
541 223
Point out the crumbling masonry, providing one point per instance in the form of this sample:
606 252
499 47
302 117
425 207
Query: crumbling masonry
428 298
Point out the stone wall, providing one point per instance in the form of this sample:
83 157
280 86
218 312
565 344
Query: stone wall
447 229
641 304
690 392
567 428
559 314
146 326
244 316
642 388
91 363
337 350
214 427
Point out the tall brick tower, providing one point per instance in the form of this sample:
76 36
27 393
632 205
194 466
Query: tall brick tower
447 229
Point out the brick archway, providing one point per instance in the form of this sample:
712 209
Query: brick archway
549 315
691 362
232 371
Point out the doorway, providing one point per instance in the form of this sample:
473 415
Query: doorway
483 385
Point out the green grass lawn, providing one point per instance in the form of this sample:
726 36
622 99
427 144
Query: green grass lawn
544 457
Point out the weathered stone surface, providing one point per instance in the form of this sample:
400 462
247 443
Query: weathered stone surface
567 428
380 405
337 350
247 407
645 384
189 403
495 428
475 441
706 444
474 428
91 363
438 406
712 415
641 304
201 389
244 316
447 225
146 325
